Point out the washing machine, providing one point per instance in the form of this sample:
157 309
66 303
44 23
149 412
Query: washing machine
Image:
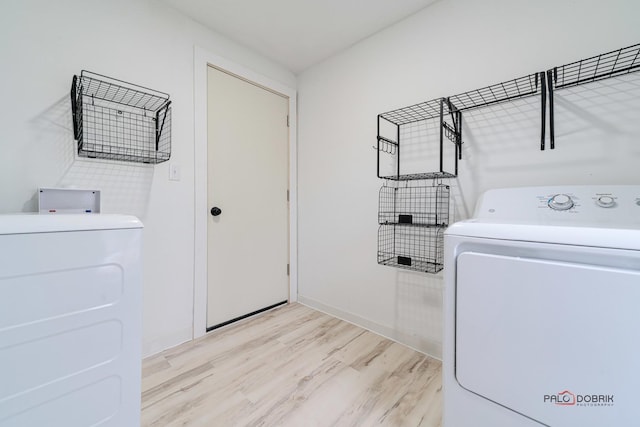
70 320
542 309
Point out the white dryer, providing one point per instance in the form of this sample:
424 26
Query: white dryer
70 320
542 309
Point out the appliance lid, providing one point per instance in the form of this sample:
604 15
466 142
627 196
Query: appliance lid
27 223
605 216
601 237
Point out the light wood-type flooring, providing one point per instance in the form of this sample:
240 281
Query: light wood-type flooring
292 366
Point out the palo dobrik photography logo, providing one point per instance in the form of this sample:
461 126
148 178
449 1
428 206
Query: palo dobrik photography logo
564 398
567 398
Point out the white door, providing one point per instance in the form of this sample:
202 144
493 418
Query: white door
248 174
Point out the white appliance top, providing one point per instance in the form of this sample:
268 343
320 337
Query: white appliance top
26 223
589 215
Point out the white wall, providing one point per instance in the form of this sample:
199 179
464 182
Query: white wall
42 45
451 47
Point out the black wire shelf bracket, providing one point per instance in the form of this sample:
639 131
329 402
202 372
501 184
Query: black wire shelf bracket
116 120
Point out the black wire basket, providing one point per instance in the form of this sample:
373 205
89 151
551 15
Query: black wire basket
411 248
419 142
117 120
411 204
412 217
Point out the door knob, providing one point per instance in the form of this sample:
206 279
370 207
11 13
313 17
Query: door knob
215 211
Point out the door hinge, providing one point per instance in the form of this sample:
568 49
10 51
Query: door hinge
287 120
288 268
287 195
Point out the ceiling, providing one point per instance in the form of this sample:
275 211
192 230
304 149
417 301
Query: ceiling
297 33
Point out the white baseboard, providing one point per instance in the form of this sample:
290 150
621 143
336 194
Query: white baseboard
430 348
149 348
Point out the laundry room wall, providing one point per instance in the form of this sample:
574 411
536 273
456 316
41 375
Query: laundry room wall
42 45
450 47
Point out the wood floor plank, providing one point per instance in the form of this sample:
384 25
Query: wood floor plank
292 366
154 365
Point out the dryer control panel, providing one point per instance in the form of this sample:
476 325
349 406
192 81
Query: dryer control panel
616 206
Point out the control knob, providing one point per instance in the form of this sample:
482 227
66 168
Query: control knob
606 201
560 202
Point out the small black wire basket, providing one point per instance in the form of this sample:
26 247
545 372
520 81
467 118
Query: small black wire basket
411 248
422 205
412 218
116 120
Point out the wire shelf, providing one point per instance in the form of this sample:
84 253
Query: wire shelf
415 113
116 120
500 92
414 136
610 64
419 176
411 248
420 205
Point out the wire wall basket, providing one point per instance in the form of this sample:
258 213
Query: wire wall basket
412 217
116 120
409 204
418 142
412 248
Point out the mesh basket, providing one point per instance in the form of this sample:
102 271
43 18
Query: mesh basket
414 204
117 120
412 217
413 248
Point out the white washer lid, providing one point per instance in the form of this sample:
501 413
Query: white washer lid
27 223
600 237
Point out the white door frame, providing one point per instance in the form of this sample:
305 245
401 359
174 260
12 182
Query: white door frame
202 59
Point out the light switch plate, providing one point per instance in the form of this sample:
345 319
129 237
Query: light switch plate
174 172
